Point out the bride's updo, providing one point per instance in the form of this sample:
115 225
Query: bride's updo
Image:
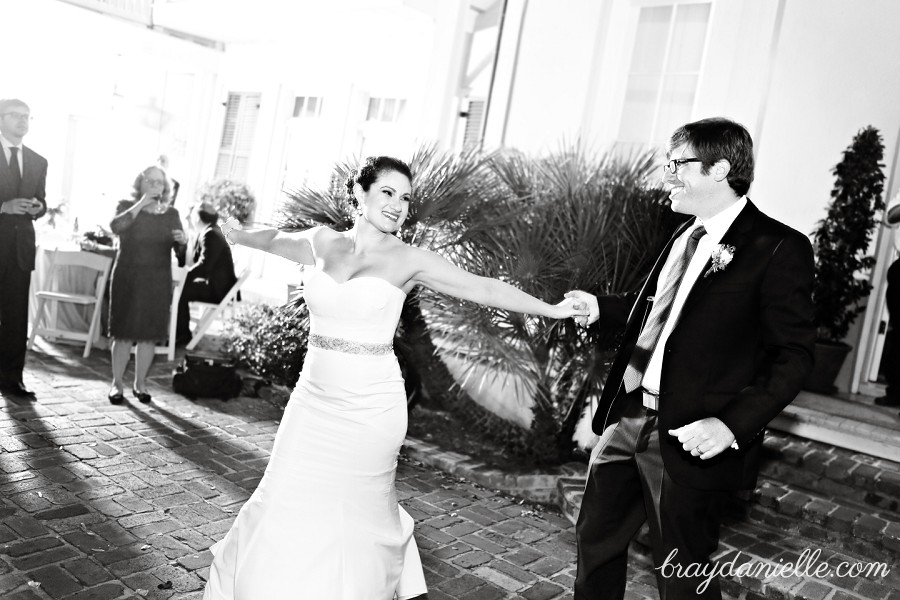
370 170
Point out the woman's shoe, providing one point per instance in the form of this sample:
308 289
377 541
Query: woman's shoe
142 396
116 397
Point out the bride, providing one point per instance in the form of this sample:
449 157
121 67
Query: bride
324 521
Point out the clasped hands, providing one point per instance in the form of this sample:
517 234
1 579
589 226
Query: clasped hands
21 206
583 300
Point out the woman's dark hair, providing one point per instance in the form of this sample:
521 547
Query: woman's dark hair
371 169
716 139
206 217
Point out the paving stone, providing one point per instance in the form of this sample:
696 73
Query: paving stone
498 578
485 544
542 590
451 551
31 546
55 581
458 586
72 510
106 591
45 557
86 571
472 559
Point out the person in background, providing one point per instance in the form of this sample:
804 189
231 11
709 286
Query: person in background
141 288
211 272
890 362
23 176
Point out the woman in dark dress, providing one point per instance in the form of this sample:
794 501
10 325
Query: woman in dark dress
141 290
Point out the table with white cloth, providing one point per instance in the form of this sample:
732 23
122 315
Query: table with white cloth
79 280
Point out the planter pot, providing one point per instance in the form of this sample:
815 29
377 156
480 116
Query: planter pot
829 358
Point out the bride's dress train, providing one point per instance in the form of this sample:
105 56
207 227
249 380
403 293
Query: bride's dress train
324 522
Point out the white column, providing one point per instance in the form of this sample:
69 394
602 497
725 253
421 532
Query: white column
441 99
504 73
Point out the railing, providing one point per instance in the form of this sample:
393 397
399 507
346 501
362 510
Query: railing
139 11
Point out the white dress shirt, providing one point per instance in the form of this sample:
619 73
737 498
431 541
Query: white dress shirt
715 229
195 242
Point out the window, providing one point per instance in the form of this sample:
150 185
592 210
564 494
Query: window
664 72
307 107
474 130
238 130
385 109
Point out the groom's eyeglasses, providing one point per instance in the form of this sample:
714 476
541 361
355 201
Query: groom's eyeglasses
672 165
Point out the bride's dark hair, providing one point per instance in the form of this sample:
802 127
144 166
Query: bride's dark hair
372 168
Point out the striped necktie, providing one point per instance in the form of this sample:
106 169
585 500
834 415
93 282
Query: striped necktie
656 321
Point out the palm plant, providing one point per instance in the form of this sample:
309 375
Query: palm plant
572 220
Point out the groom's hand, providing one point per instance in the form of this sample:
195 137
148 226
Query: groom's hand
705 438
590 302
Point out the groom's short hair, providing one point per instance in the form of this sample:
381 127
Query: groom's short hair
719 138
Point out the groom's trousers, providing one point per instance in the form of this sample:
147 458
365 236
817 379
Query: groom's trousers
627 485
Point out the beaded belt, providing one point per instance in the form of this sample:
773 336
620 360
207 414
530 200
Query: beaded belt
348 346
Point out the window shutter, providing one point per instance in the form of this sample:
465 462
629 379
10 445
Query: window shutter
474 124
241 114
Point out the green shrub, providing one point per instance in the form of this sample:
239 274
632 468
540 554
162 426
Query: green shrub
841 240
570 220
270 340
231 198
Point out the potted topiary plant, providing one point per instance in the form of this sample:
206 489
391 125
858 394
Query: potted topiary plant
841 241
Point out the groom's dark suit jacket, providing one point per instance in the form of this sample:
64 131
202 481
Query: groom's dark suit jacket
740 351
34 176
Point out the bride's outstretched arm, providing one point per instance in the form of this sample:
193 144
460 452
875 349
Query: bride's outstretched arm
435 272
293 246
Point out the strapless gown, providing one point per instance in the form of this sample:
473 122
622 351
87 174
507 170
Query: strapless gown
324 522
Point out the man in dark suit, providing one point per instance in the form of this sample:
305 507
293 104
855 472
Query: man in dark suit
717 343
23 175
890 360
211 272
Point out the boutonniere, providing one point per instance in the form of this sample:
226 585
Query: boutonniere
721 256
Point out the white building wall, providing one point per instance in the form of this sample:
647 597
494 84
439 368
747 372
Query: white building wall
552 73
107 97
836 72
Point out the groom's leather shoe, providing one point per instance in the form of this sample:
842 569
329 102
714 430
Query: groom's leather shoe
16 389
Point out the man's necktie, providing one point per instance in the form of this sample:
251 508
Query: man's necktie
662 306
15 173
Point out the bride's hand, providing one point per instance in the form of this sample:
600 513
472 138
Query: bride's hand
571 307
231 224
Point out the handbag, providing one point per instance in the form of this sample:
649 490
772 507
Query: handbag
206 376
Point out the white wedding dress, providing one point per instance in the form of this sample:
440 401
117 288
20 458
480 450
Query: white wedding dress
324 522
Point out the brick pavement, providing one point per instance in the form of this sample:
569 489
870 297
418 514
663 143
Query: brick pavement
104 502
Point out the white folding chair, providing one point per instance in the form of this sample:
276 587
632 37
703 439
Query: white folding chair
209 310
179 275
98 267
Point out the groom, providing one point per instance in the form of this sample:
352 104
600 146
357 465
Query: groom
718 342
